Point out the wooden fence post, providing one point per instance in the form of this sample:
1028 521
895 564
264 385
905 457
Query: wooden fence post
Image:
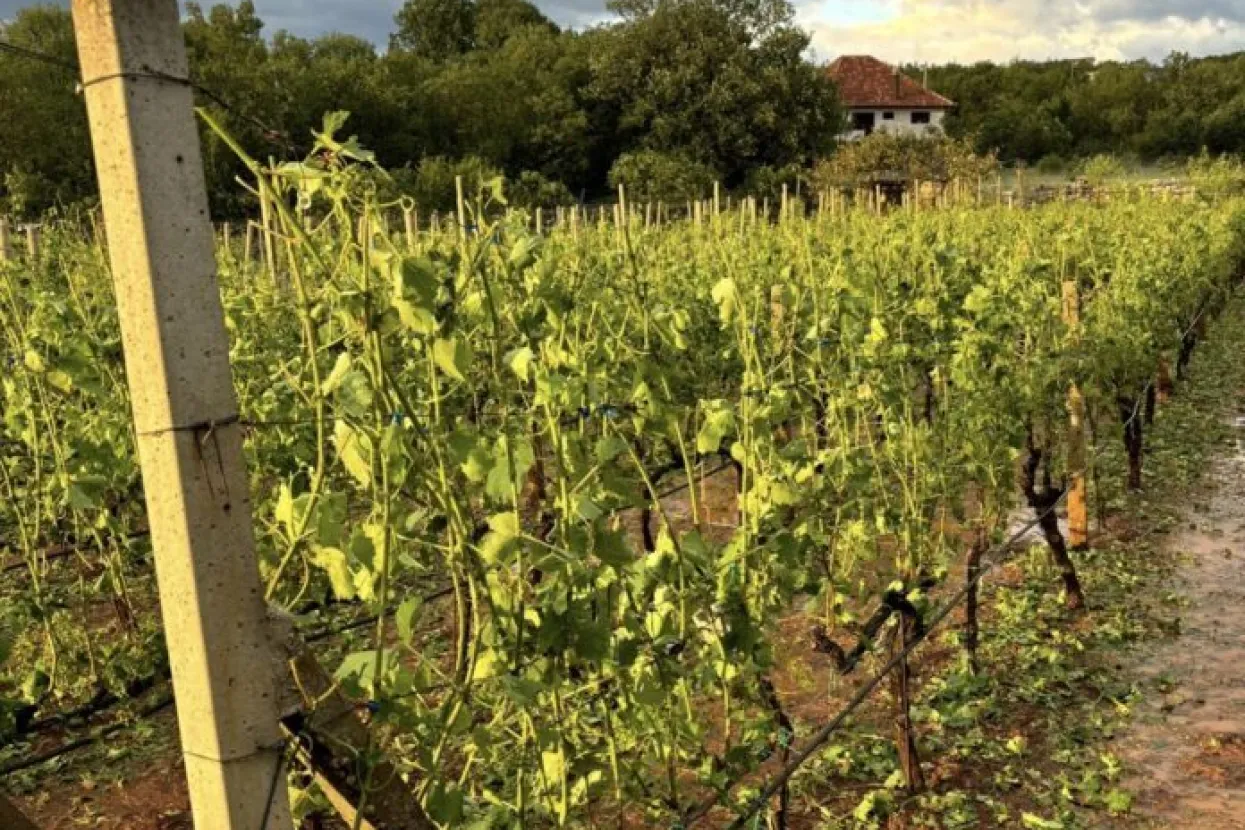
1078 455
224 663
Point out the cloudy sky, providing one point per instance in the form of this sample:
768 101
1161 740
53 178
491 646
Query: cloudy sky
896 30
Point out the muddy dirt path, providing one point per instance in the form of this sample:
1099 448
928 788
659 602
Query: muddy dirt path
1185 750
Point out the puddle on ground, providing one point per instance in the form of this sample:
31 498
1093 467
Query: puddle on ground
1185 749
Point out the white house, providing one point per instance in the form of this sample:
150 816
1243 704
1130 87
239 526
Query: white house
880 98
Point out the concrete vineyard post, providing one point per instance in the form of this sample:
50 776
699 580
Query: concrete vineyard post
717 199
782 213
540 223
6 244
1078 455
223 660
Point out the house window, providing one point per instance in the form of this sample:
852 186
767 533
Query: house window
920 118
888 116
863 122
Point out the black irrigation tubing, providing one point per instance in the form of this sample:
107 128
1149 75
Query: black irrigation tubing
61 551
164 702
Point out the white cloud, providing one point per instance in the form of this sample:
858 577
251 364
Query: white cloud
939 31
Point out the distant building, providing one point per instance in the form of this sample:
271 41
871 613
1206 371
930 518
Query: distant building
880 98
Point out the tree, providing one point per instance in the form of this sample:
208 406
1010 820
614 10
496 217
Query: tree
519 106
435 29
45 149
688 77
227 52
759 18
496 21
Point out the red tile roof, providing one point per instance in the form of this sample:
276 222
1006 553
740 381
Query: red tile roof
865 81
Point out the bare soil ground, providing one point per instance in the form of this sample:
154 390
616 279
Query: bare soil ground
1186 747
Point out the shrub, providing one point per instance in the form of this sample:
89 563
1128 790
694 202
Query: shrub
1216 175
884 156
431 183
1101 168
1052 165
767 181
649 175
531 190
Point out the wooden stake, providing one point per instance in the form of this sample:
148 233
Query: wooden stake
1078 492
248 244
1163 384
6 244
224 663
462 208
32 242
270 253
